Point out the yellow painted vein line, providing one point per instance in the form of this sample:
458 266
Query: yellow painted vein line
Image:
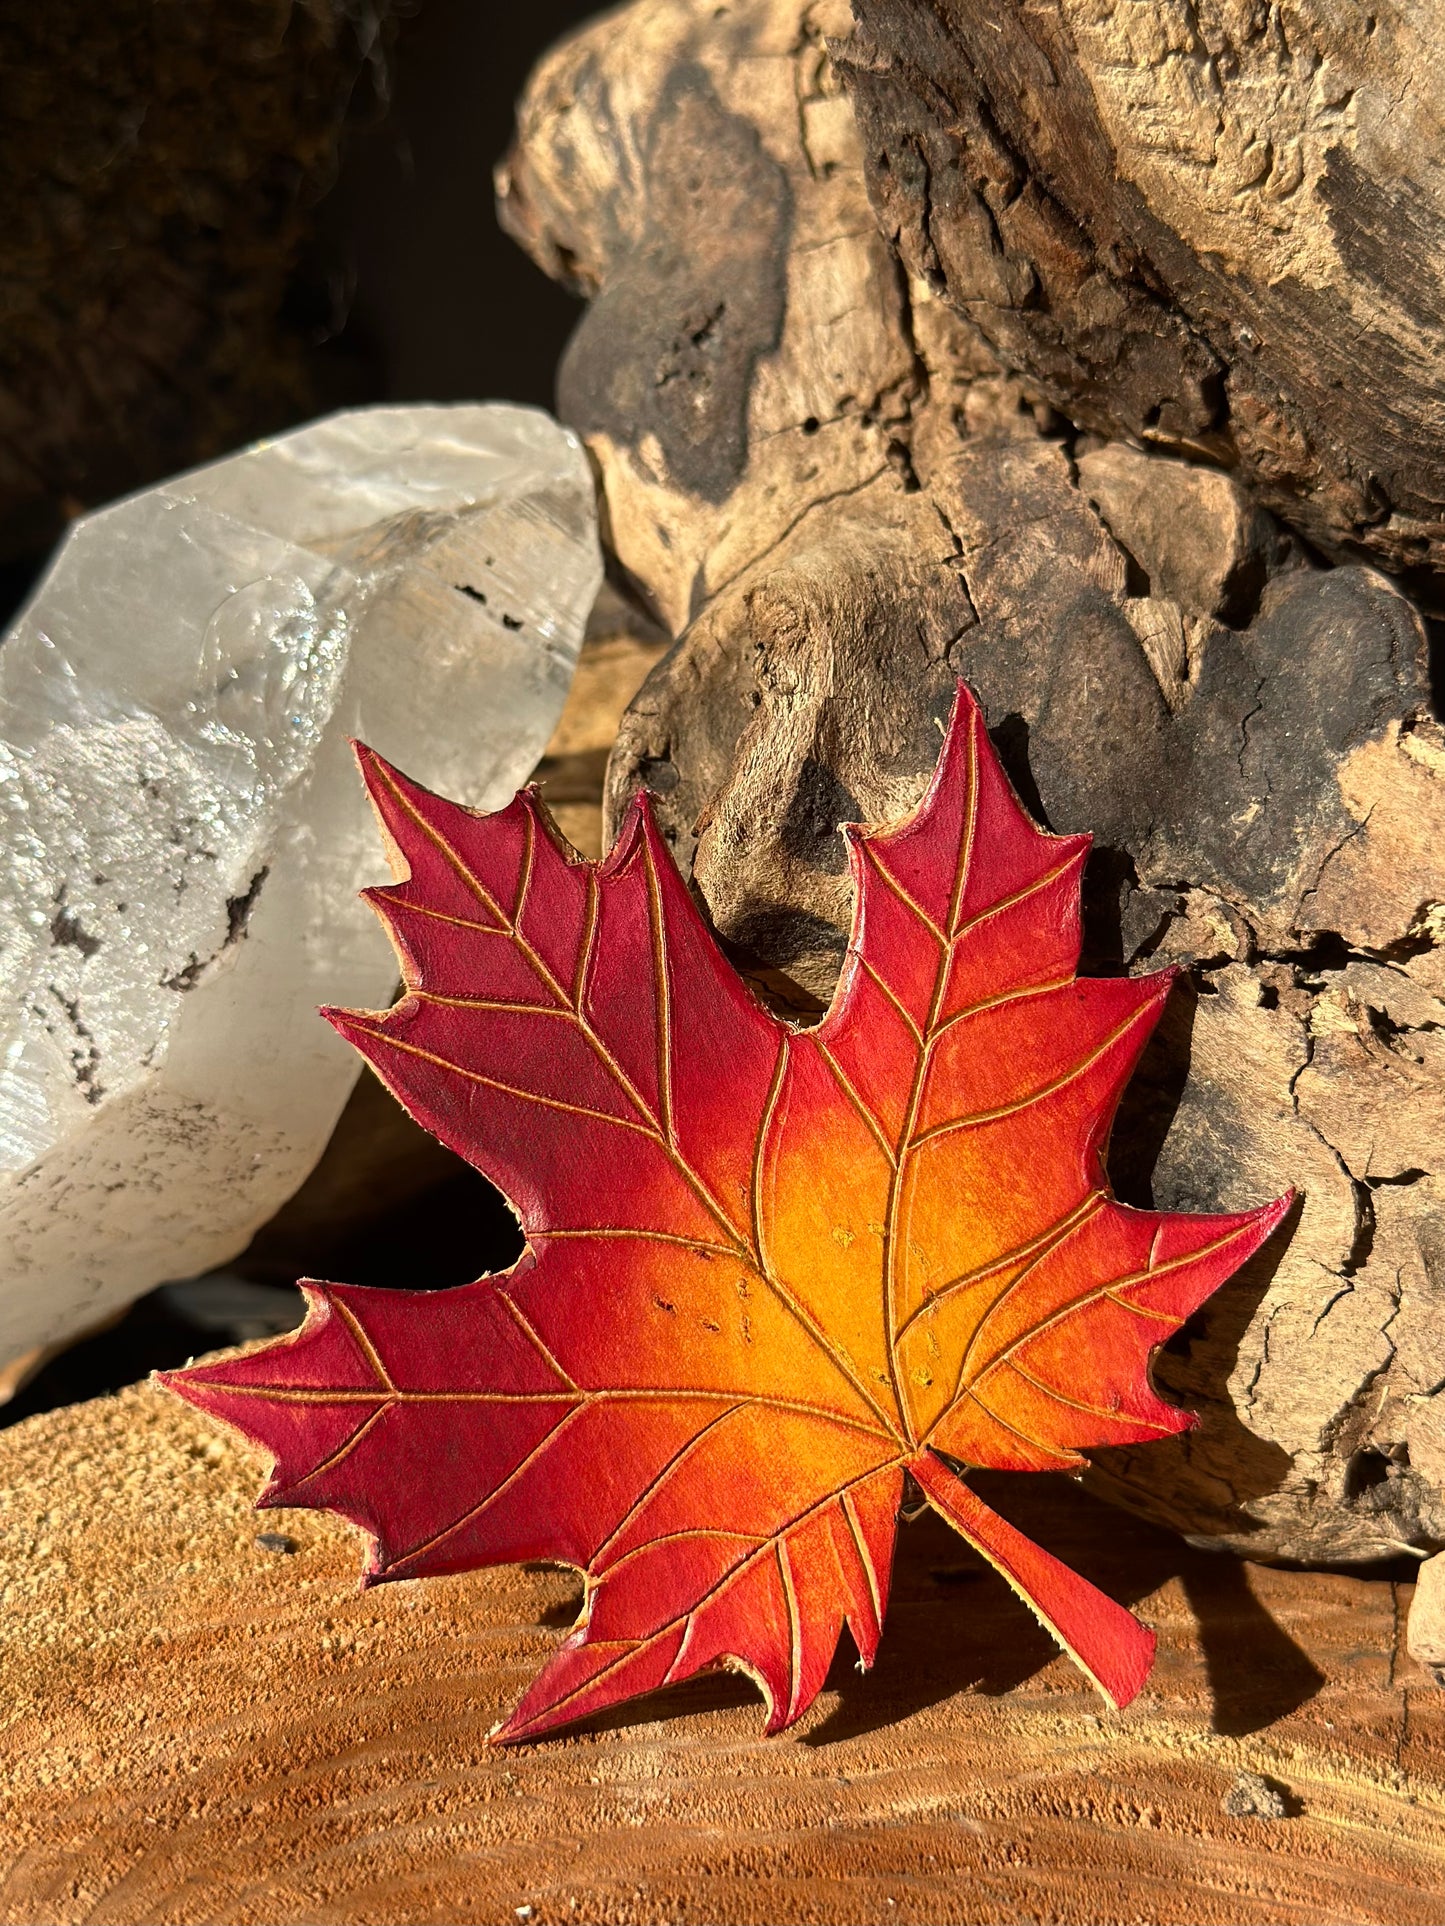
760 1153
533 1336
1019 895
892 996
509 1089
865 1557
845 1083
342 1451
308 1394
662 982
964 866
1063 1453
494 1004
1003 997
1141 1310
589 941
524 880
699 1244
362 1341
902 894
394 906
1110 1290
1078 1404
475 1511
673 1537
1039 1245
678 1458
1071 1075
795 1626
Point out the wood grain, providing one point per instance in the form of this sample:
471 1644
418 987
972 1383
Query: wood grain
197 1729
1200 226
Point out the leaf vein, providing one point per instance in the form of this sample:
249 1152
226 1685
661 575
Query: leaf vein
1041 1244
845 1084
1079 1404
716 1589
1094 1295
903 896
1071 1075
475 1511
510 1089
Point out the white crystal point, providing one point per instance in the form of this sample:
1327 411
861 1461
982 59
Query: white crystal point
184 831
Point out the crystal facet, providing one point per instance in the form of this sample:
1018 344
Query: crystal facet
184 833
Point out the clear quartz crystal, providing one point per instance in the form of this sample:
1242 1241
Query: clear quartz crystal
184 831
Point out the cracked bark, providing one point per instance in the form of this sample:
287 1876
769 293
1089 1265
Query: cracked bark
1245 727
1206 227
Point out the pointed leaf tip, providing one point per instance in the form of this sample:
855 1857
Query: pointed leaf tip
370 762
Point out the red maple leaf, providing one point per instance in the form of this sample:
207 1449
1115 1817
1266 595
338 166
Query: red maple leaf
768 1271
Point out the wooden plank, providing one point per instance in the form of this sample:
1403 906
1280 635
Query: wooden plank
197 1729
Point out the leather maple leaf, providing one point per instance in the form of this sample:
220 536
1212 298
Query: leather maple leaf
769 1271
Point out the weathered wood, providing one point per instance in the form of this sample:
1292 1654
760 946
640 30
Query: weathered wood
696 174
1247 732
198 1729
1211 227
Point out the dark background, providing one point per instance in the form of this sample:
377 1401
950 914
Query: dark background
222 217
442 306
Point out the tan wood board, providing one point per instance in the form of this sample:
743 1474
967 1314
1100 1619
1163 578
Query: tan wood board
196 1729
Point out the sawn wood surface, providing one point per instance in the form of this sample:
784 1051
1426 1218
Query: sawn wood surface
197 1729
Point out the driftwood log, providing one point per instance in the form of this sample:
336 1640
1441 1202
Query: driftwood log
820 474
1212 226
